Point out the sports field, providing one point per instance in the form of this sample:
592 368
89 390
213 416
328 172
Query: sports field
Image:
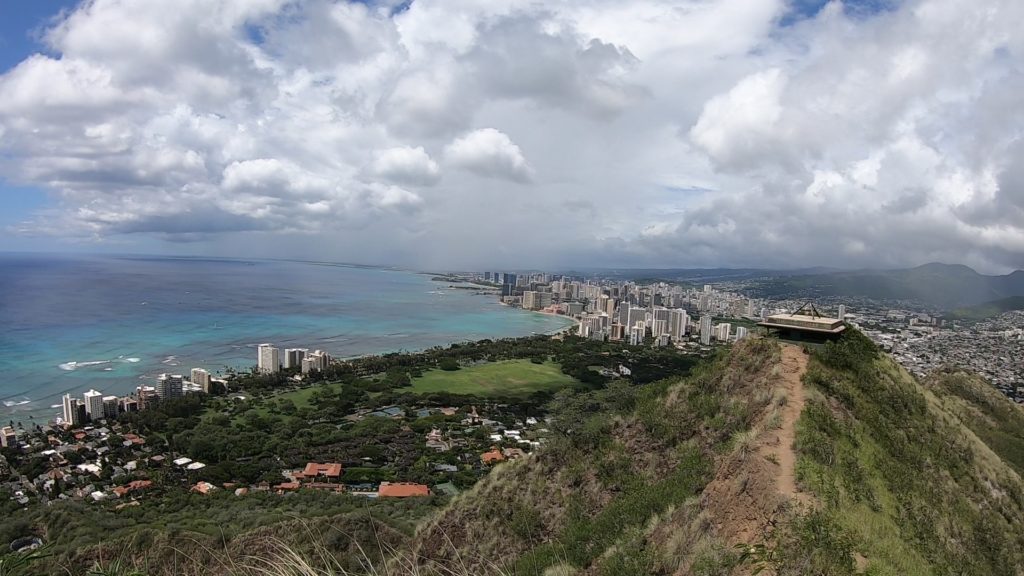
507 377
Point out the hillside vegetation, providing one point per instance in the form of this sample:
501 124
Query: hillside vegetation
765 459
685 477
942 285
988 309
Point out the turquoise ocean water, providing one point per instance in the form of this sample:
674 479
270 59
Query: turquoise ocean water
68 324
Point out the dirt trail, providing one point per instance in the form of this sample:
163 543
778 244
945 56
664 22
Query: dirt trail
754 484
780 441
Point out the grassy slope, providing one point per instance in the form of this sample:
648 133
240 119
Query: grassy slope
507 377
983 409
616 492
902 481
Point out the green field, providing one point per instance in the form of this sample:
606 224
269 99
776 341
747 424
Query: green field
508 377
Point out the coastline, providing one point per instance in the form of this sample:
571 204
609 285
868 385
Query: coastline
36 405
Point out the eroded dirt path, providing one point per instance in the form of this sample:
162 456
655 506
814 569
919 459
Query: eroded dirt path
757 481
779 442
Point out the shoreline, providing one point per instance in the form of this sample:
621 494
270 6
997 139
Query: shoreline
46 413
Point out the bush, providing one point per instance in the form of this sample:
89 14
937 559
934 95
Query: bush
448 364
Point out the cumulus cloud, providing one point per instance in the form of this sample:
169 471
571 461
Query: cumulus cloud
406 165
653 133
489 153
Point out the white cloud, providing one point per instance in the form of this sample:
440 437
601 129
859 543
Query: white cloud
658 133
490 153
406 165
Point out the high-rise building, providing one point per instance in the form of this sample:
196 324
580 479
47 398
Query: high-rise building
74 411
636 314
677 322
111 406
531 300
317 361
169 386
705 329
609 307
659 327
201 378
637 334
741 332
722 331
508 284
293 357
842 312
93 401
268 359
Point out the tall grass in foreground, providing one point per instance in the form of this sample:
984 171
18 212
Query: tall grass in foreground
283 560
280 558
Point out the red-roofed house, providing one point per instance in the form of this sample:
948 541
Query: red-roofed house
402 490
492 457
331 471
132 487
286 487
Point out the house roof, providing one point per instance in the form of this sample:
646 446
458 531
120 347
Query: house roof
402 490
330 469
492 456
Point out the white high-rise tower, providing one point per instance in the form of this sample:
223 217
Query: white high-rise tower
269 359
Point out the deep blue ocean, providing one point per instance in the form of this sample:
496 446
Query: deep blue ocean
68 324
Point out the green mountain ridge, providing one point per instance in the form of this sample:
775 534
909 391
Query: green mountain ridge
988 309
946 286
894 477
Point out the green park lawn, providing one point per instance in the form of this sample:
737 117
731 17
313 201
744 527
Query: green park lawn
507 377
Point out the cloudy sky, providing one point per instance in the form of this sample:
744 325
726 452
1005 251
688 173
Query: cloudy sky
518 133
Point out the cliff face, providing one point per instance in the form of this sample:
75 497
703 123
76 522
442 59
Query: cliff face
767 459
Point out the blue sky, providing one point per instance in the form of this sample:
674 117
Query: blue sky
20 23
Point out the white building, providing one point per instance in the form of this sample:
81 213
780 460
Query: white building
677 322
722 332
268 359
201 378
531 300
636 314
293 357
842 312
705 329
93 401
741 332
72 414
318 361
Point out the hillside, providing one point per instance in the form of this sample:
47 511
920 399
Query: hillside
942 285
725 472
988 309
766 458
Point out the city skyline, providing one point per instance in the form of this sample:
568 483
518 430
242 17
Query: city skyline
573 134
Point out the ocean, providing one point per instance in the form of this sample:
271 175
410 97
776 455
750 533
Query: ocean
71 323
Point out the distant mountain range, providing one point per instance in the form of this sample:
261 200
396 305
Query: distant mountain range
946 286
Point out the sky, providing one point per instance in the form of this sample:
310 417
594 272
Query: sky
466 134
